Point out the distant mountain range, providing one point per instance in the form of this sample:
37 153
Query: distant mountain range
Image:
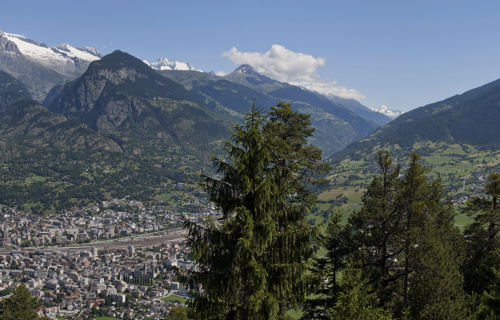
115 126
45 70
40 67
231 95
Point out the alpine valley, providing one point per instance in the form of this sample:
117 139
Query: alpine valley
78 128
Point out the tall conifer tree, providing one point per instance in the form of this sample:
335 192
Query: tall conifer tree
433 248
378 227
252 264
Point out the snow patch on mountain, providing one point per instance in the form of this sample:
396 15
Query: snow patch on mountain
388 112
165 64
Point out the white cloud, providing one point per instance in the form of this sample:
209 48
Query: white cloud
221 73
295 68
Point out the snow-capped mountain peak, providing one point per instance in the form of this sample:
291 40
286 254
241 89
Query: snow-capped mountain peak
62 57
388 112
165 64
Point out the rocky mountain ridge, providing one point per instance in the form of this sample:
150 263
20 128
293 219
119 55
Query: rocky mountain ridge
233 94
122 98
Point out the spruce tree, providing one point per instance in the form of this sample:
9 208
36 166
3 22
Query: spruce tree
435 282
432 249
252 263
377 226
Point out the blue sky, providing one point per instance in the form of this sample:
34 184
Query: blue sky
402 54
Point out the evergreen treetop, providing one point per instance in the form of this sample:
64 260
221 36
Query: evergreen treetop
253 263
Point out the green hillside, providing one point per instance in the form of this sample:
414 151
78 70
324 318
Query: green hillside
457 137
469 118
